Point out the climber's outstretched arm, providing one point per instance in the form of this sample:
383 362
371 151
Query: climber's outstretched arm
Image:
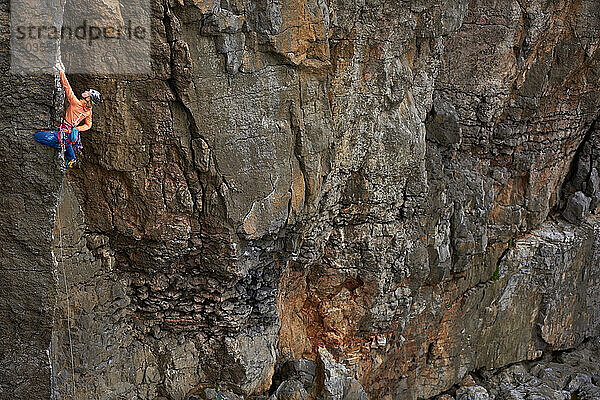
68 91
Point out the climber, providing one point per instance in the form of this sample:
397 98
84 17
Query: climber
77 111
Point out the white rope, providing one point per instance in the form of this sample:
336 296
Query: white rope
62 261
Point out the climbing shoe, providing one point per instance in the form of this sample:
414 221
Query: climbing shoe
72 164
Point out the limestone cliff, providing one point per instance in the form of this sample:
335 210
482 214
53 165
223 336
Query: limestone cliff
404 191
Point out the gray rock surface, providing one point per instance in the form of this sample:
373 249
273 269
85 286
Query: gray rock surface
333 380
584 177
331 377
31 175
353 390
561 376
374 186
290 390
472 393
443 125
300 370
577 208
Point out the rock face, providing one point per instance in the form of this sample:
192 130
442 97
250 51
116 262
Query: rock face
559 375
29 188
404 192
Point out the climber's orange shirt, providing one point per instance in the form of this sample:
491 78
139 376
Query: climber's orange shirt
77 110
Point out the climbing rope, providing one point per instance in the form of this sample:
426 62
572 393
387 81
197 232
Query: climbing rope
53 377
62 261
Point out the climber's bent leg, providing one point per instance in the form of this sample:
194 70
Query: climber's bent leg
49 138
70 156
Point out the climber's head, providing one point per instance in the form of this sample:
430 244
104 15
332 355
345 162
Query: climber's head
91 97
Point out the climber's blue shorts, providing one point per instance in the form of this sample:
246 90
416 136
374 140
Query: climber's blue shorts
50 138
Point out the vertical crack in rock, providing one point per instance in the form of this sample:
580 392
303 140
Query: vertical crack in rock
30 181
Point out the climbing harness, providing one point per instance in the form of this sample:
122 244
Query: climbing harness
63 132
62 261
69 134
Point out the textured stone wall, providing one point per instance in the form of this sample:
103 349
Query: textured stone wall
403 191
29 186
